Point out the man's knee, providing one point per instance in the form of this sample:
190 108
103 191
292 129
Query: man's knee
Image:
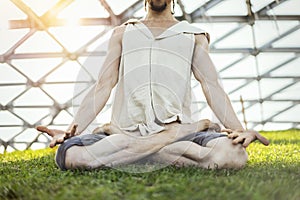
76 158
238 159
230 156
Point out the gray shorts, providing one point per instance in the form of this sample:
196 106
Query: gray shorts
201 138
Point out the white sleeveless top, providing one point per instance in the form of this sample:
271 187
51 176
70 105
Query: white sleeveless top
154 77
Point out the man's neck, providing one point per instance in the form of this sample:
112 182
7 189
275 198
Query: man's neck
155 16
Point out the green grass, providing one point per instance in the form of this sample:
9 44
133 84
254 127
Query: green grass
272 173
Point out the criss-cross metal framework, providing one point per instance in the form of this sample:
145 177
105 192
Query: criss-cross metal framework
270 92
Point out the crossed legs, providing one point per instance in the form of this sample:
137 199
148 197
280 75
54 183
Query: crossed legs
218 153
124 148
118 149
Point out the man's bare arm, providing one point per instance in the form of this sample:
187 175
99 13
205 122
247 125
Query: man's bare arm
205 72
99 94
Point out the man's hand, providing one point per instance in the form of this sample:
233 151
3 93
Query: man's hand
58 136
246 137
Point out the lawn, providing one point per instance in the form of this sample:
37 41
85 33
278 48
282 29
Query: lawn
272 172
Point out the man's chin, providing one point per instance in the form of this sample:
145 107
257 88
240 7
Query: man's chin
158 8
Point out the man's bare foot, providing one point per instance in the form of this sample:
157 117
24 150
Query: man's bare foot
184 129
108 129
227 130
214 127
58 136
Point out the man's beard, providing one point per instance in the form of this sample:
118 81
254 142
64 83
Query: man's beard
157 8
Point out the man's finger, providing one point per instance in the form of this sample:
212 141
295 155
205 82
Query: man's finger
234 134
73 129
67 135
60 140
226 130
262 139
45 130
247 142
237 140
52 143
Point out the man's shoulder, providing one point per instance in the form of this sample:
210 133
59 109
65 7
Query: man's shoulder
202 40
131 21
200 34
117 33
121 28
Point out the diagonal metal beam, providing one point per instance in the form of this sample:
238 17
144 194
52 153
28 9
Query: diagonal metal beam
36 19
239 27
56 9
128 13
20 72
241 86
281 89
270 95
22 6
42 79
202 9
114 19
107 7
266 47
278 113
85 46
234 63
264 10
52 13
279 66
286 33
185 16
12 49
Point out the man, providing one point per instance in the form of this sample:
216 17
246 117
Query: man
150 61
